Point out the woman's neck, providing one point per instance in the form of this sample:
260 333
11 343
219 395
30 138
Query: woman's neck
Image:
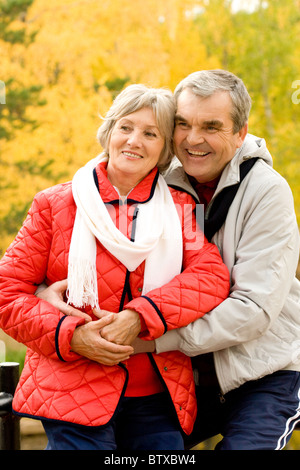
124 184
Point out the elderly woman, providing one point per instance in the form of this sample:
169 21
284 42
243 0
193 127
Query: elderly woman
130 246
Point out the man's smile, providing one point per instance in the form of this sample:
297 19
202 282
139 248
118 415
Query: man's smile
196 153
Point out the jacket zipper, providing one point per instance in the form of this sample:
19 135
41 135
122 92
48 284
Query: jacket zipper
127 290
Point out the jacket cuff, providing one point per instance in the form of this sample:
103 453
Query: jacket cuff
63 336
169 342
152 320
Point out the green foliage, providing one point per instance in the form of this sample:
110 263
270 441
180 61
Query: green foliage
115 85
16 355
13 220
18 99
11 10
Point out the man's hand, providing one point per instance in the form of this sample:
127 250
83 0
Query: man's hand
142 346
54 294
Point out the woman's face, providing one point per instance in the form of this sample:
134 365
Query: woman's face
135 147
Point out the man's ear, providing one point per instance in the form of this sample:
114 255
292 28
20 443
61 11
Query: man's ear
242 135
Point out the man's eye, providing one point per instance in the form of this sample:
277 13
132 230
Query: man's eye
182 124
211 129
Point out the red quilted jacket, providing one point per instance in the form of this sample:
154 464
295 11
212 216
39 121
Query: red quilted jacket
58 384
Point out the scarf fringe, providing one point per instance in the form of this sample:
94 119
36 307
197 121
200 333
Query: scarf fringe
82 284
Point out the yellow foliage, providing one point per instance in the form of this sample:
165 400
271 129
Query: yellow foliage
81 49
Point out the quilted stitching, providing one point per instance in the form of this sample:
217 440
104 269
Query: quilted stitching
78 390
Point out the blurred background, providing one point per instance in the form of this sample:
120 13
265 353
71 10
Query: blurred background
62 63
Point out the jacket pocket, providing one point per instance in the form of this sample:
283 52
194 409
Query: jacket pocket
54 375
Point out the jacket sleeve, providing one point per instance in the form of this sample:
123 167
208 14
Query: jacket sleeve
201 286
263 270
23 316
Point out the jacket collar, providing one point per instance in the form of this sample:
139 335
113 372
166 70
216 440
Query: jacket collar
141 193
252 147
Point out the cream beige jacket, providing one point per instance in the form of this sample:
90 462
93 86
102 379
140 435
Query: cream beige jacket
256 330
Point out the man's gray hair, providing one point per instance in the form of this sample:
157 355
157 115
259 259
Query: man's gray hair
133 98
207 82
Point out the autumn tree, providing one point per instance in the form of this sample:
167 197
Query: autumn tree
260 46
18 96
82 53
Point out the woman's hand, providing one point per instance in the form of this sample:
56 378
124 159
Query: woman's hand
88 342
124 328
54 294
107 340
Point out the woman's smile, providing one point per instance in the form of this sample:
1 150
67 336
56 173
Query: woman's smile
130 155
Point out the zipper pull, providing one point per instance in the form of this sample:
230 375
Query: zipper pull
221 397
135 214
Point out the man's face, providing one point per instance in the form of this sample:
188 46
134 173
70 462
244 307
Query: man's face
203 137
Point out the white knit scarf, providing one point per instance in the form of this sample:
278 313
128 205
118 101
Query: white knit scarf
158 238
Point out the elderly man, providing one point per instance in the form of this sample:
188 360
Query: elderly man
246 352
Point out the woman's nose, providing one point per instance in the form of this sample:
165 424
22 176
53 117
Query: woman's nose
134 139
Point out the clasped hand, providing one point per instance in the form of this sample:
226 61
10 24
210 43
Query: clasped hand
107 340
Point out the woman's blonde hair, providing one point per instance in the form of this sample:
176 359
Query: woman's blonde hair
133 98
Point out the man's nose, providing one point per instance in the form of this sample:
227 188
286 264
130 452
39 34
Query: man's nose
195 137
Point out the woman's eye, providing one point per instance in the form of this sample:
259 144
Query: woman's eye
150 134
125 128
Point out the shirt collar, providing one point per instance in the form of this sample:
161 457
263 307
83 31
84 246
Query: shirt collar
141 193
